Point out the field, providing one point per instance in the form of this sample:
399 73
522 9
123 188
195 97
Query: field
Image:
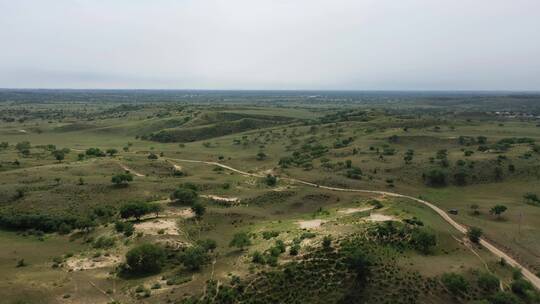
254 172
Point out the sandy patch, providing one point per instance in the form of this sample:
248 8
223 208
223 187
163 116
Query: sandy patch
377 217
310 224
77 264
152 227
183 213
221 198
282 188
126 168
176 167
354 210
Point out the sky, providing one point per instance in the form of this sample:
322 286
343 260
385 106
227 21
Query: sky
271 44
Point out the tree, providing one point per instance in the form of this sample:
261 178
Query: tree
327 242
59 155
455 283
145 259
474 208
424 240
24 145
270 180
504 298
359 263
488 282
348 163
207 244
198 209
122 179
474 234
436 178
240 240
155 208
261 156
498 210
152 156
184 195
135 209
460 178
194 257
111 152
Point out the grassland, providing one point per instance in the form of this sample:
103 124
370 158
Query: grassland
341 144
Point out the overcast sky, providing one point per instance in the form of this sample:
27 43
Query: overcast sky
271 44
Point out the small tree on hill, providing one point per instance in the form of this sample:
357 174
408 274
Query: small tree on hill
59 155
455 283
424 240
240 240
145 259
270 180
261 156
122 179
474 234
194 257
198 209
111 152
155 208
184 195
498 210
135 209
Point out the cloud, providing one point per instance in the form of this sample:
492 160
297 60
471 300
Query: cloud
271 44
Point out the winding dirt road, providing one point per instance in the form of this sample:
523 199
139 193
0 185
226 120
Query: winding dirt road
461 228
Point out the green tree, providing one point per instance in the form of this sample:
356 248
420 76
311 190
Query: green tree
504 298
122 179
488 282
111 152
194 257
424 240
135 209
59 155
436 178
455 283
155 208
327 242
270 180
145 259
498 210
474 234
240 240
184 195
198 209
261 156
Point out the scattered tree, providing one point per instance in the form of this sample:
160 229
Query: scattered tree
122 179
498 210
474 234
145 259
240 240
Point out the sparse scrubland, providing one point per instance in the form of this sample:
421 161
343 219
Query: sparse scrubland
165 197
